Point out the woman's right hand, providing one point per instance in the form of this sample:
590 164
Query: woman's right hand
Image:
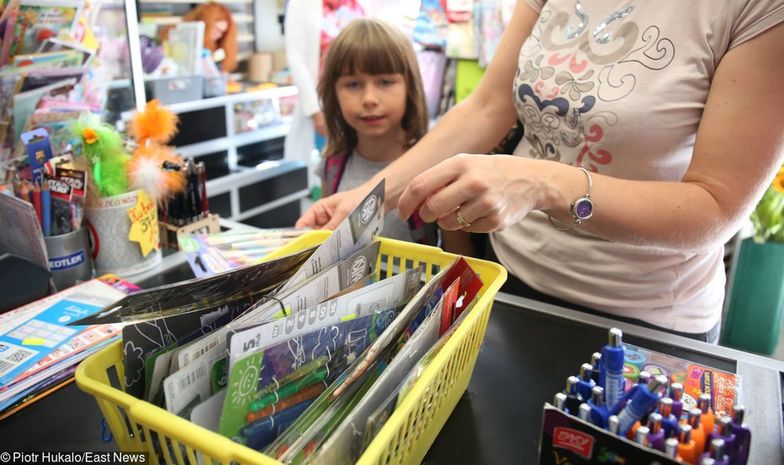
328 212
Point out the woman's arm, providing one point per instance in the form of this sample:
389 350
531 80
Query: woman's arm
475 125
739 146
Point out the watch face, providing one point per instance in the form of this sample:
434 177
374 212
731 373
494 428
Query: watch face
582 208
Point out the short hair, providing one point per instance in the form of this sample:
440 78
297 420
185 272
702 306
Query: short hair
374 47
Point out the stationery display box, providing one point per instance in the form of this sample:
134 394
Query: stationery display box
404 439
568 439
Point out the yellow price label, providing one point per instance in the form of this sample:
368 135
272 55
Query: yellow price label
144 224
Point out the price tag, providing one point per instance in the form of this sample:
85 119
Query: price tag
144 224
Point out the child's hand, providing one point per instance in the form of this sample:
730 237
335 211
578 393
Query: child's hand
328 212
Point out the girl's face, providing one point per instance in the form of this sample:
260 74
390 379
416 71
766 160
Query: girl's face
372 104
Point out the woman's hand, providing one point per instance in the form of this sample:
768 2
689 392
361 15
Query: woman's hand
328 212
491 192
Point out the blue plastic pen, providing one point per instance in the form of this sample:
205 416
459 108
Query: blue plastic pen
599 413
612 367
669 422
46 209
259 434
585 383
642 402
596 364
642 379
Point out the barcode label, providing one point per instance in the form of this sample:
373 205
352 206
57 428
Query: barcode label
12 356
192 377
5 367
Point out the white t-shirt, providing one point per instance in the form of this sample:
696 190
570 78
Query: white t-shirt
627 106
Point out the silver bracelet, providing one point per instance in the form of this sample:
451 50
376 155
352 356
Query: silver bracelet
581 209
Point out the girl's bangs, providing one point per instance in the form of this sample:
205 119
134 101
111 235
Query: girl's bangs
371 57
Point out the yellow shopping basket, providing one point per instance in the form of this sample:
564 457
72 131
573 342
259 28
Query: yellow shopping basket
139 426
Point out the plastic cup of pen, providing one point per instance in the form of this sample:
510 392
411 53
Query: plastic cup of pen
69 258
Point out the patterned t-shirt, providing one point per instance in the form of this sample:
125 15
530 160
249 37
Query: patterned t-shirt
618 88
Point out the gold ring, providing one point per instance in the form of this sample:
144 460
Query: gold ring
463 223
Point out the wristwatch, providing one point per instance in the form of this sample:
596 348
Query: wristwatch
581 209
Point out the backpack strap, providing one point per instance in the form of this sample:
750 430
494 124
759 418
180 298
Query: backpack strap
335 166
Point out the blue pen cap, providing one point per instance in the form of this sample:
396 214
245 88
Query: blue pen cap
612 353
676 391
643 378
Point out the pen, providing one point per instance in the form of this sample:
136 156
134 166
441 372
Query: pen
289 389
656 436
643 402
676 394
641 436
612 367
585 382
294 375
697 432
596 364
310 392
572 396
46 209
742 435
599 412
686 447
708 418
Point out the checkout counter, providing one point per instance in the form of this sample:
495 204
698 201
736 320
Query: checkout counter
529 350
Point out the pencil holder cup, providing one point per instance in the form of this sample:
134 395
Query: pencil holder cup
124 233
69 258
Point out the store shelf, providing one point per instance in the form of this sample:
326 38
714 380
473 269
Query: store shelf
225 2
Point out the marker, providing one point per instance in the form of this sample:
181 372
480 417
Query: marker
708 418
585 383
656 436
612 367
641 436
742 436
573 400
697 432
676 394
596 364
707 461
669 422
686 447
642 403
599 411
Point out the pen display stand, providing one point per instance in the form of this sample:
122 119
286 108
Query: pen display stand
568 439
118 242
169 232
69 258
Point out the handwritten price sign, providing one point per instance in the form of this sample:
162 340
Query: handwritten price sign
144 224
